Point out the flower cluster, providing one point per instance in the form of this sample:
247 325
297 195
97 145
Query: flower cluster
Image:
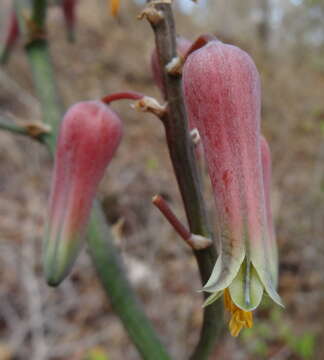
222 96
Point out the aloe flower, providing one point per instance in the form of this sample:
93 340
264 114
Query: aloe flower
89 136
222 96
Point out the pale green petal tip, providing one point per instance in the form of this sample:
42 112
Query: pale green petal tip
214 275
246 290
223 274
56 267
212 298
274 295
58 259
268 282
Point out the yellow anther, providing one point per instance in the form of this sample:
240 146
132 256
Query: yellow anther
235 327
239 318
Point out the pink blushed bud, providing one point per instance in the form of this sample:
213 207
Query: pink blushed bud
222 96
89 136
11 37
69 8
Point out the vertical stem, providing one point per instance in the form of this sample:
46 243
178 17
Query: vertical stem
41 65
39 13
42 70
112 275
185 168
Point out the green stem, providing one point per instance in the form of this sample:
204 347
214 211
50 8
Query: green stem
105 256
112 275
39 13
43 76
6 124
42 70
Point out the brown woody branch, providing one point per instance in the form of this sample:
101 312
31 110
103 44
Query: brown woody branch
186 171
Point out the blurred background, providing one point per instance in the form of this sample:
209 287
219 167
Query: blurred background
286 40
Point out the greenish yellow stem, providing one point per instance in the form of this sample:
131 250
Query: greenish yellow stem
113 278
39 13
6 124
33 130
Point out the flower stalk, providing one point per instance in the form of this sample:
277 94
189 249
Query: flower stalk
181 150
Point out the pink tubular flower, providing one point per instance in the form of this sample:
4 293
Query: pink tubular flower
89 136
222 96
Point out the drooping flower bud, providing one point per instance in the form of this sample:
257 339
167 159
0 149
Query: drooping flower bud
222 95
183 45
89 136
11 37
69 8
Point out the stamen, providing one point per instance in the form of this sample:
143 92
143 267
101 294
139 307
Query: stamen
239 318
